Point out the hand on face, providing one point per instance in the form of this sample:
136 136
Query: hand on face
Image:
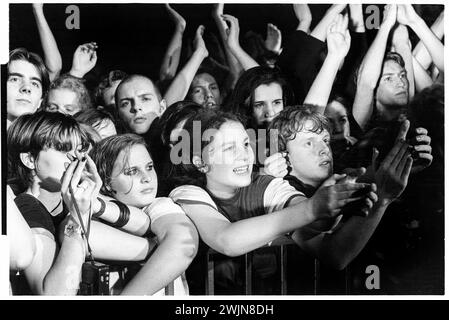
80 185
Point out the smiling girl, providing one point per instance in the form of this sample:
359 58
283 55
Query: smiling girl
235 211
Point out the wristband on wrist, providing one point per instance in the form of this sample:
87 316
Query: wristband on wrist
102 208
124 214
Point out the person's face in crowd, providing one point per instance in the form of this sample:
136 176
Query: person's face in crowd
133 179
338 119
64 101
268 102
109 94
105 128
139 104
229 159
205 91
310 155
393 85
23 89
49 166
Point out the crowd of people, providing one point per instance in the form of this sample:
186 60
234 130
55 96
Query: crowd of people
328 138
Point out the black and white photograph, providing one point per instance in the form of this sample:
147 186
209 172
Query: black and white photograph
224 149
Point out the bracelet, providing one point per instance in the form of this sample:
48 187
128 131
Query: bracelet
102 208
124 214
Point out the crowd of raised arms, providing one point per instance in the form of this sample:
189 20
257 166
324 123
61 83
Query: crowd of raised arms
159 171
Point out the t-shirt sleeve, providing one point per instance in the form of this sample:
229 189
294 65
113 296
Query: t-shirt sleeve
161 207
278 194
34 213
190 194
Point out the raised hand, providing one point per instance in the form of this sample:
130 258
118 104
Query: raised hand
276 165
338 37
390 13
332 196
179 21
304 16
407 14
233 31
198 41
84 59
391 176
217 14
273 41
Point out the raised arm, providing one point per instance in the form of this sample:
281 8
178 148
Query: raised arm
273 41
233 43
422 78
371 67
338 43
180 85
304 16
52 56
84 59
320 30
235 67
357 22
178 243
172 55
420 52
137 224
401 44
54 272
237 238
408 16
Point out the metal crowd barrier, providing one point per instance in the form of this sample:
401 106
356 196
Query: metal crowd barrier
282 243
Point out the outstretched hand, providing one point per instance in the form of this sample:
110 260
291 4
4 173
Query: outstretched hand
233 31
407 14
198 41
334 194
391 176
338 37
273 42
390 13
84 59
